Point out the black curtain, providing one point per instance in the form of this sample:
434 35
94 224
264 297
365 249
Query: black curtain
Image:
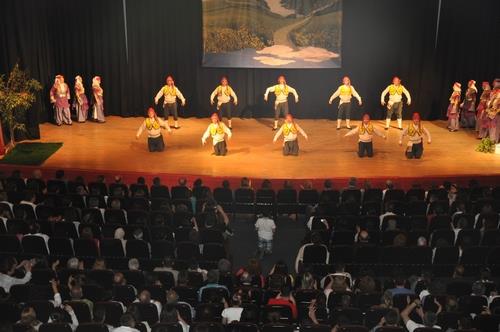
380 39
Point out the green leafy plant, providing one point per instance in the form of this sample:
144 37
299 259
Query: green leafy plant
17 94
486 146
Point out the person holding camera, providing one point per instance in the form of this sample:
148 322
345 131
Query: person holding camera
429 318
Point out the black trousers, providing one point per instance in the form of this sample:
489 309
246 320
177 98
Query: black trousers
220 149
291 148
225 108
416 151
281 108
170 109
365 149
345 108
156 144
396 108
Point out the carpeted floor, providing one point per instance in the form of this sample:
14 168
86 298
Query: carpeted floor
31 153
287 241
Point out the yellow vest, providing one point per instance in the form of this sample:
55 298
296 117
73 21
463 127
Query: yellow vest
412 131
169 90
216 129
227 91
287 130
395 90
345 90
369 129
152 123
278 91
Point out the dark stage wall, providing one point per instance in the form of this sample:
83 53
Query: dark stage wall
380 39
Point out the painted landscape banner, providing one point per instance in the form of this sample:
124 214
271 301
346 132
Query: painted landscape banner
272 33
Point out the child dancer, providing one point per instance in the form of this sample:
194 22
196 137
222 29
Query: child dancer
346 91
281 91
81 103
452 112
153 125
395 104
290 141
59 96
98 94
415 132
170 93
218 130
365 131
224 93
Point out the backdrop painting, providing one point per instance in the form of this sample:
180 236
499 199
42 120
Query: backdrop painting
272 33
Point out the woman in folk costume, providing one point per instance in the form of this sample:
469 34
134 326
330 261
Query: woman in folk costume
218 131
80 103
281 90
395 103
290 130
481 107
153 125
365 131
492 122
468 107
453 109
224 93
98 106
346 91
170 93
415 132
59 96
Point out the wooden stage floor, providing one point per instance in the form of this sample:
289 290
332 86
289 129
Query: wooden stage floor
112 147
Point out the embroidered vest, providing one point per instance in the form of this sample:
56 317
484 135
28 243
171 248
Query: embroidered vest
287 130
413 132
345 90
278 90
216 129
368 129
395 90
226 90
152 124
169 90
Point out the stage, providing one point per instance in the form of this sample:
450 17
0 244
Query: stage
111 148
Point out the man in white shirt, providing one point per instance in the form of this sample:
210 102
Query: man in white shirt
8 267
346 91
429 318
218 131
127 324
153 124
290 130
232 313
266 228
281 91
170 93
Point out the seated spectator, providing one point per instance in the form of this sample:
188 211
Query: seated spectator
167 265
400 287
226 184
64 315
429 318
195 267
173 299
34 230
159 190
266 184
145 297
74 264
233 313
136 314
251 274
285 298
390 319
119 279
8 267
99 264
342 277
279 276
385 301
366 285
76 293
127 324
29 199
400 240
120 235
170 314
99 315
212 282
308 281
389 211
245 183
28 319
134 265
316 240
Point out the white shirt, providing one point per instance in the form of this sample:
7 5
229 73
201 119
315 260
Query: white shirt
366 137
168 98
223 97
345 98
232 314
153 132
412 326
417 138
291 135
395 98
6 281
125 329
265 228
282 97
218 136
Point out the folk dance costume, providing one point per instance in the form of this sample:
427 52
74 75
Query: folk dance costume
415 132
281 90
153 125
395 103
346 91
290 130
98 100
453 109
224 93
365 131
218 131
59 96
80 103
170 93
492 122
480 110
468 107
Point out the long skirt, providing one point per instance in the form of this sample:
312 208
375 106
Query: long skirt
62 115
82 109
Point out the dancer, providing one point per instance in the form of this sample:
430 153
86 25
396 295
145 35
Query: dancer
395 103
153 124
218 130
481 107
80 103
98 106
224 93
415 132
281 90
468 106
365 132
492 118
170 93
289 129
452 112
346 91
59 96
